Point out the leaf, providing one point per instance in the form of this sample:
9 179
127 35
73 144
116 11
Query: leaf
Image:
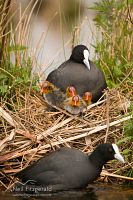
111 84
117 71
128 128
130 1
3 77
124 140
36 88
126 151
17 48
3 89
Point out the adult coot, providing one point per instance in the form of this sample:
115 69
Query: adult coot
79 72
69 168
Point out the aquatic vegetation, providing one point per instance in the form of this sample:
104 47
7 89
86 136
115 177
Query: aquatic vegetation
115 21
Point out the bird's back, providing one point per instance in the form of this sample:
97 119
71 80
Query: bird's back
78 75
56 168
53 161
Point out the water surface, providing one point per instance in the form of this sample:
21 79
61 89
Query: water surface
93 192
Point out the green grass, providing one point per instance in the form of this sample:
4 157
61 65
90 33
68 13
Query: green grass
115 57
115 50
15 62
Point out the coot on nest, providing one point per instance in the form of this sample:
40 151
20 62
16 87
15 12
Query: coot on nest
78 71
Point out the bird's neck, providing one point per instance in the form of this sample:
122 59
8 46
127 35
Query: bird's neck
97 159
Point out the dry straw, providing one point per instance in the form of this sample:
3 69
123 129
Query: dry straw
28 131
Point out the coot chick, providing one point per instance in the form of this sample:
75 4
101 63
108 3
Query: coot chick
52 94
74 105
87 97
79 72
69 168
68 101
71 91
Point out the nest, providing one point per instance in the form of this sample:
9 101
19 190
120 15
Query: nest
28 131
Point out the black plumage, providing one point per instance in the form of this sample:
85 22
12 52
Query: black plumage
69 168
74 72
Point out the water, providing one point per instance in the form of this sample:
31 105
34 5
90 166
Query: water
93 192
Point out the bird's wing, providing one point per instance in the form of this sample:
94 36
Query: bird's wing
51 162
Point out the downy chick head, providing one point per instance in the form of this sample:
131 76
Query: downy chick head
71 91
47 87
74 105
87 97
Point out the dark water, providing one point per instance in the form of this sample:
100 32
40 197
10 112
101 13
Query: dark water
93 192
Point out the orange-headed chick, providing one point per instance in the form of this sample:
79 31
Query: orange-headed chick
47 87
74 105
71 91
52 94
87 97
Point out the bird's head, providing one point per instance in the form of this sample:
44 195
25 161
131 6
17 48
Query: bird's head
75 101
71 91
106 152
80 54
47 87
87 97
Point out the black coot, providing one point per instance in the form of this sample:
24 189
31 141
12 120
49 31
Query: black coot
80 73
69 168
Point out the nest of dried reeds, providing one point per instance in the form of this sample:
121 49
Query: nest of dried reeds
28 131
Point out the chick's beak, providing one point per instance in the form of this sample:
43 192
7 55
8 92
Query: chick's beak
41 91
72 93
75 103
88 99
